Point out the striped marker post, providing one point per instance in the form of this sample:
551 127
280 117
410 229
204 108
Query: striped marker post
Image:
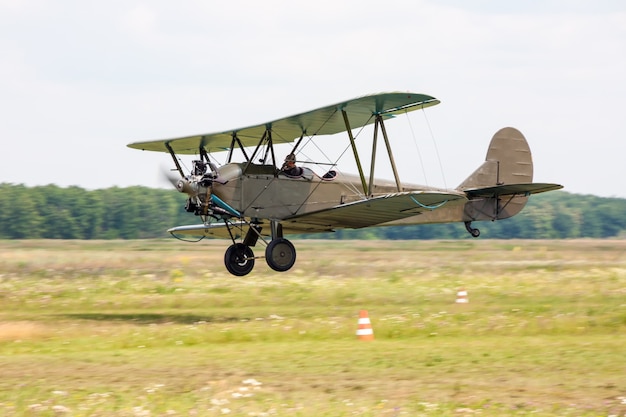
365 331
461 297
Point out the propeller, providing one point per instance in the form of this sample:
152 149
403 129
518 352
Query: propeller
198 186
183 185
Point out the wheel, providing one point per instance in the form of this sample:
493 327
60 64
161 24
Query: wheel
471 230
239 259
280 254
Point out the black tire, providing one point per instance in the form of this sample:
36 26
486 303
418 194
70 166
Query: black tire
280 254
475 232
239 259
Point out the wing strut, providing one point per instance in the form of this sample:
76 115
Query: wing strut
263 139
373 162
356 154
271 146
171 151
293 151
232 148
391 160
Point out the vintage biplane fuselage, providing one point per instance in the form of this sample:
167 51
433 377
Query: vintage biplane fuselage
287 197
247 201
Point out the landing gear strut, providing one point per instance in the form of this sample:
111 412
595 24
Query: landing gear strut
471 230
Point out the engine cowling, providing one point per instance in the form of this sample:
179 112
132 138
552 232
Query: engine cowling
199 186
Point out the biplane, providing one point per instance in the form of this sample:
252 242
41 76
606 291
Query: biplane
253 197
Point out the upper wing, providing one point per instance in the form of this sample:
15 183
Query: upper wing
371 212
323 121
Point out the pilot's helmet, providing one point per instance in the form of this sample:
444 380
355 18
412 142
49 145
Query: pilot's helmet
290 158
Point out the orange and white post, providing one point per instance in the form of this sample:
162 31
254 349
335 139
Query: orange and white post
365 331
461 297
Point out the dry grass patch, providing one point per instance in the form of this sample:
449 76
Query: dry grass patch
22 330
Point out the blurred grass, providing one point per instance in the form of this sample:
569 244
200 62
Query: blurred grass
160 328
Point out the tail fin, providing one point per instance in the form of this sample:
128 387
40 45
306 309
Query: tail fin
508 161
500 187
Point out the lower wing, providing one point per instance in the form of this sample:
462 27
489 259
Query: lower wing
362 213
373 211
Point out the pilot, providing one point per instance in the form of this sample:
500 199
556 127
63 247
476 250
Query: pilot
289 167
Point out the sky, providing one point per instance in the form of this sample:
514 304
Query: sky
79 80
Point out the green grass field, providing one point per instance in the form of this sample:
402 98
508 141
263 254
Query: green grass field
159 328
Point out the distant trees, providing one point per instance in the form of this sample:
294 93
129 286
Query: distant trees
554 215
52 212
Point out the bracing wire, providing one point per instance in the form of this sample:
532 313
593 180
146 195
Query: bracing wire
417 148
432 136
188 240
336 162
346 150
211 156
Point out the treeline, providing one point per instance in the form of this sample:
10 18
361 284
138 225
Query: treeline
52 212
553 215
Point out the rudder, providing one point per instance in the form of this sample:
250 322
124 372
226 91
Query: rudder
508 161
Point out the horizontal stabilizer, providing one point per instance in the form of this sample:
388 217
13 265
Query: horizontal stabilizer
511 189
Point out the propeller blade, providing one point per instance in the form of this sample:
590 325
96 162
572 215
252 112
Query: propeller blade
169 175
181 184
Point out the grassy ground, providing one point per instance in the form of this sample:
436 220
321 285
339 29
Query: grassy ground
158 328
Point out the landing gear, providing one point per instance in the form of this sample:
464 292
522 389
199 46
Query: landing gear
471 230
280 254
239 259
